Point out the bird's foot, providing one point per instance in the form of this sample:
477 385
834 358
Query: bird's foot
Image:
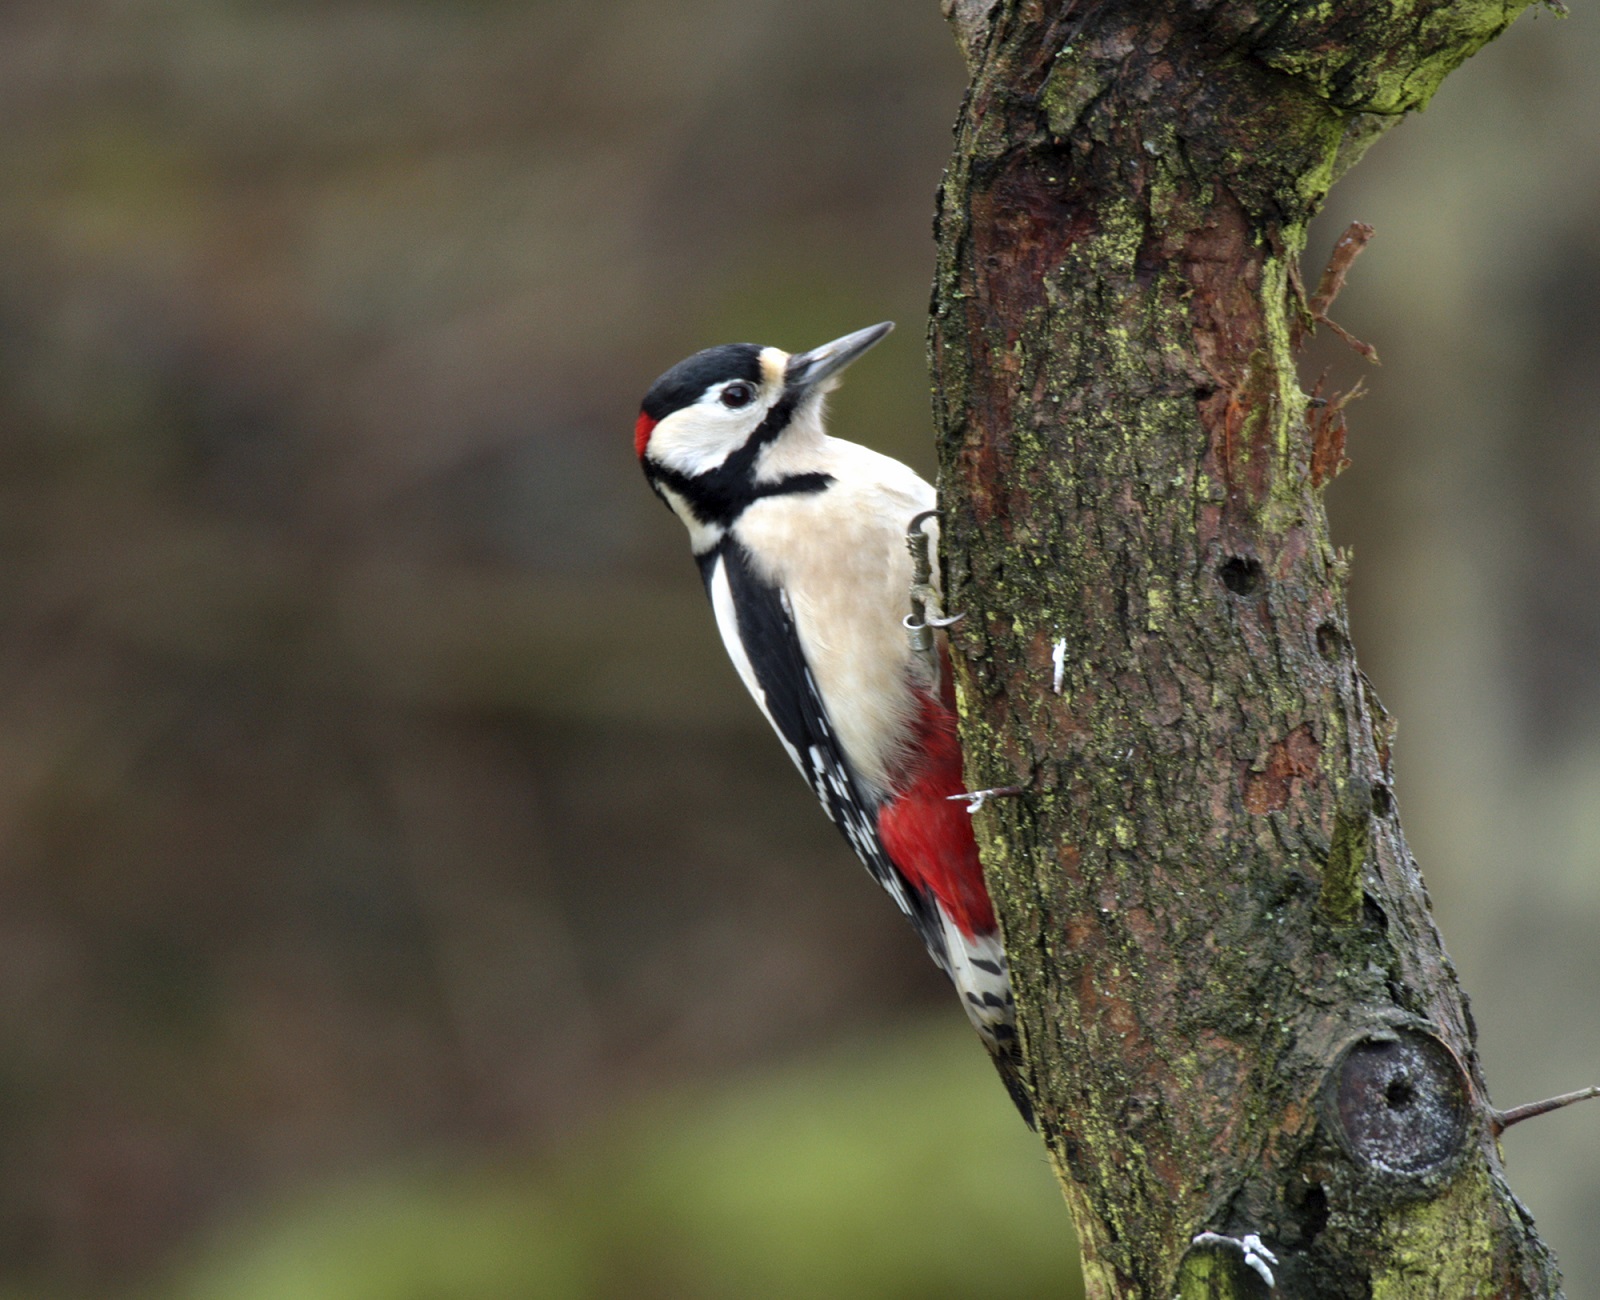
1256 1256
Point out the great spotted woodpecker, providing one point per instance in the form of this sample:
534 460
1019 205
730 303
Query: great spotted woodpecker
801 541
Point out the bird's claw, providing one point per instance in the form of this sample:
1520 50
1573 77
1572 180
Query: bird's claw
930 619
926 613
977 798
1256 1256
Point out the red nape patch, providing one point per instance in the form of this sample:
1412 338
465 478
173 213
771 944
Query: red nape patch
927 834
642 429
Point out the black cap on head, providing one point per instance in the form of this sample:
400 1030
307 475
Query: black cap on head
687 381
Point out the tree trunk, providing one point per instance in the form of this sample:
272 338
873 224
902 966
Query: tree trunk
1237 1013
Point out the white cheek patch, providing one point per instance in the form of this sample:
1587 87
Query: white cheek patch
698 438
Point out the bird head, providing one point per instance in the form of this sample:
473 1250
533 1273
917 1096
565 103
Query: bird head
715 411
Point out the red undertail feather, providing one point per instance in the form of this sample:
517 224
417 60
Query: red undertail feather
927 834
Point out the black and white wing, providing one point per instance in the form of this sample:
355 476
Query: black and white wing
758 629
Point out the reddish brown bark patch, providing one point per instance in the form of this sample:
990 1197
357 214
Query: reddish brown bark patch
1290 760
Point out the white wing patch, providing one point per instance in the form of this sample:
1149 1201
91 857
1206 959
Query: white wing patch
722 608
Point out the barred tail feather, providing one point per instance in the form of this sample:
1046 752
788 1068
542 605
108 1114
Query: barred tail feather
977 966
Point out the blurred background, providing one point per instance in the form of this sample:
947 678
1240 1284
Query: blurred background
399 897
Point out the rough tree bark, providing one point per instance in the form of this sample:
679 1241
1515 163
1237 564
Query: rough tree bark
1237 1012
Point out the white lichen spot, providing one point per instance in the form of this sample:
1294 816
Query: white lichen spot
1058 665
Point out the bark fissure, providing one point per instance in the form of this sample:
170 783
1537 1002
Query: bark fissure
1212 915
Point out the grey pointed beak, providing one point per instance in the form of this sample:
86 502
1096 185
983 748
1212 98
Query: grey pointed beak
808 369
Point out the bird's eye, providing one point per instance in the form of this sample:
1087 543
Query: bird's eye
737 394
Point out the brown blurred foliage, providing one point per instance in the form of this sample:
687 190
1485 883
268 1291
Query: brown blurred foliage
358 798
370 780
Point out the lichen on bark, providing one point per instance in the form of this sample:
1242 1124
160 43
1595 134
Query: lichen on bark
1237 1012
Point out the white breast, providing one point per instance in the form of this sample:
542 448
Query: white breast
840 556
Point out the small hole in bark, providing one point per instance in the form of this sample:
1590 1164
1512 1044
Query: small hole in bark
1330 641
1309 1201
1241 576
1316 1212
1399 1094
1382 800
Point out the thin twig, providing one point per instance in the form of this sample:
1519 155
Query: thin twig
1501 1120
1351 244
1349 247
